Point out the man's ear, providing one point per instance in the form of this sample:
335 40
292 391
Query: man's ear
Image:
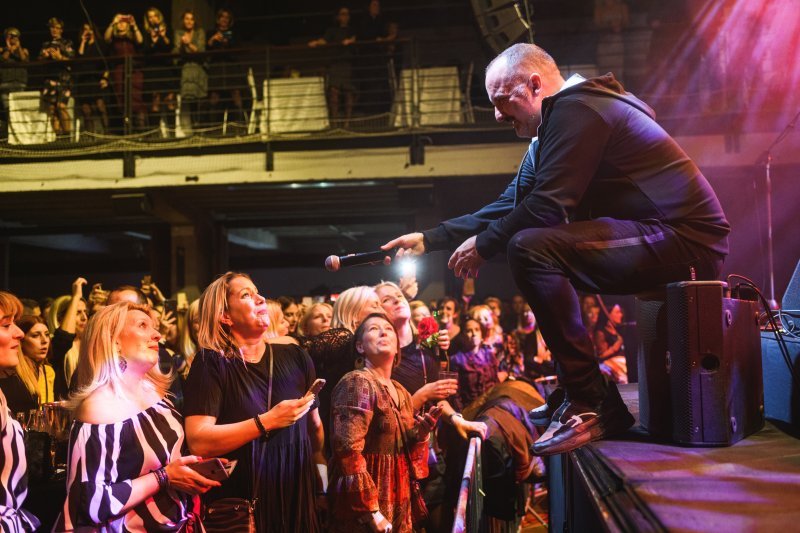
535 83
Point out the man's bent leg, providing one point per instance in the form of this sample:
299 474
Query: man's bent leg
603 255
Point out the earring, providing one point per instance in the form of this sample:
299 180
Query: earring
123 364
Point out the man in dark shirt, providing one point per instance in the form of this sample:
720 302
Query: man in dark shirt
605 201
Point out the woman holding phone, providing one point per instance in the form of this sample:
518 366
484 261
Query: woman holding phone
245 399
125 466
377 442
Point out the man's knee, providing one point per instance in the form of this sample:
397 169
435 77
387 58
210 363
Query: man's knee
530 247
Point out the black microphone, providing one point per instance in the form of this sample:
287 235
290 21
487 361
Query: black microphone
334 262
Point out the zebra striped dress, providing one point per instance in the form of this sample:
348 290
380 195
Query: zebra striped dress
103 460
13 475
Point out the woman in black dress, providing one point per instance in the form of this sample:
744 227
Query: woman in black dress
244 400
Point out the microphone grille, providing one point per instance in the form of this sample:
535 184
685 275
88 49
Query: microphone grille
332 263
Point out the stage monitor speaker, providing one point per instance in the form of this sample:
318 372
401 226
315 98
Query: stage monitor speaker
791 298
714 365
781 395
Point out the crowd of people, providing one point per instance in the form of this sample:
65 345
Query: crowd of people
200 64
155 385
225 376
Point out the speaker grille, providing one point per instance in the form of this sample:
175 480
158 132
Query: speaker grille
681 300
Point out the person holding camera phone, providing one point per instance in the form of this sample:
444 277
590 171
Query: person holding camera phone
126 445
245 399
160 76
225 75
124 39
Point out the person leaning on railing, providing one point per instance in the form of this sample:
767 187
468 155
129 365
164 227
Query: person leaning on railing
189 41
160 78
12 78
124 39
57 89
91 81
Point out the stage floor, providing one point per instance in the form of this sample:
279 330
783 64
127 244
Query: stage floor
753 485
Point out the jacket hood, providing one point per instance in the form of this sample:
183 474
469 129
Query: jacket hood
606 85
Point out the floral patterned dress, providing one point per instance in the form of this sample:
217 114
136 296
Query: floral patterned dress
370 470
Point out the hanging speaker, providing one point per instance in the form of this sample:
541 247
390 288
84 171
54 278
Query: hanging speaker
502 22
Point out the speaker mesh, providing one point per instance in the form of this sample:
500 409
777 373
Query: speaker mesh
680 301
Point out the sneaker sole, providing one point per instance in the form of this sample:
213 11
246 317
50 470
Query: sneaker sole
594 433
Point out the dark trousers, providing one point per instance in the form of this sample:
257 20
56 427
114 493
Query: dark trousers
598 256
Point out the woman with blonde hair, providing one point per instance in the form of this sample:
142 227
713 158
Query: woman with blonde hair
187 336
278 325
126 443
332 350
13 465
159 76
316 320
31 382
245 399
418 369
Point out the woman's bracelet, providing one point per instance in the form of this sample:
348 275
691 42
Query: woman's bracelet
161 477
260 425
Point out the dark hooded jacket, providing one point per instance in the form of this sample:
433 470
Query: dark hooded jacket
599 153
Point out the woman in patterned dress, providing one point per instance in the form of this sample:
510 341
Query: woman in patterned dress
373 417
13 467
125 468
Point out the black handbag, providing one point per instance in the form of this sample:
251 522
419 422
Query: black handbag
238 515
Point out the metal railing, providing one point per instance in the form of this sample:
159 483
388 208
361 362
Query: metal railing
153 101
469 509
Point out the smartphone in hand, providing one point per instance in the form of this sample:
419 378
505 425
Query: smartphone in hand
315 387
213 468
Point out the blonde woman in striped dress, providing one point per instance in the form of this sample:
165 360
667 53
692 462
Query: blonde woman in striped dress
125 465
13 468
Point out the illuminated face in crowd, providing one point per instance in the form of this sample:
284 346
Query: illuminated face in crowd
36 343
472 329
394 303
138 341
320 320
247 311
188 22
291 314
448 312
10 338
378 341
82 318
486 319
419 313
371 305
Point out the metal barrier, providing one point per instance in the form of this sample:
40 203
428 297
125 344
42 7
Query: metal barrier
469 509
